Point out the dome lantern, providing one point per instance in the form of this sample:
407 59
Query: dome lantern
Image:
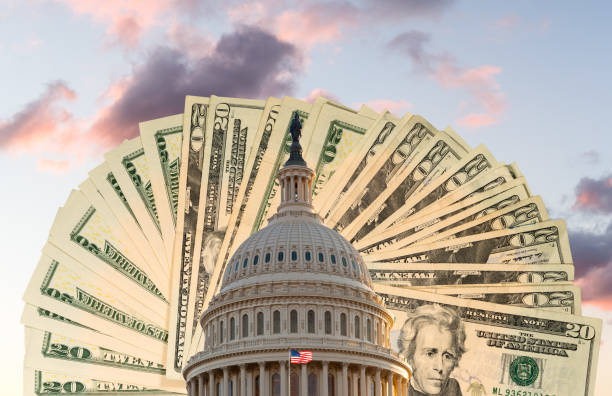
295 178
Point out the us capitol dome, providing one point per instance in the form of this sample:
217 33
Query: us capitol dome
296 284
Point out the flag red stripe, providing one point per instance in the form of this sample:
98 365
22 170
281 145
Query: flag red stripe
305 357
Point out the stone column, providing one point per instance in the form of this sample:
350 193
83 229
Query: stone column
250 389
390 383
242 380
355 383
201 385
283 378
324 379
304 381
235 385
378 384
345 379
211 384
262 368
363 382
225 389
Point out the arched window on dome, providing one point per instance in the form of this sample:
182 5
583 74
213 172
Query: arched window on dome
255 259
276 385
312 385
343 324
294 255
369 330
357 327
237 265
311 321
260 323
333 259
221 331
267 257
293 319
245 326
331 385
343 261
295 384
276 322
245 262
328 322
281 255
232 329
321 258
307 256
378 333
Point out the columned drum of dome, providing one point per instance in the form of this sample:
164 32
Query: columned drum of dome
296 284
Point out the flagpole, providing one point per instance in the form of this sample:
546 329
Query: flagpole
289 375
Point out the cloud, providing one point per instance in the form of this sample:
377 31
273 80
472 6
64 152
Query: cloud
596 286
591 157
315 93
247 63
398 9
507 22
398 107
594 195
591 249
478 82
53 166
592 254
126 21
190 41
42 124
315 22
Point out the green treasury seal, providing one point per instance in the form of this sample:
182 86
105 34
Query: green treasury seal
524 370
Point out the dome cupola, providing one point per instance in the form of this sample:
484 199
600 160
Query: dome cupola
295 244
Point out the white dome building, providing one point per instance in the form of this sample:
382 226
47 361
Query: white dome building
296 284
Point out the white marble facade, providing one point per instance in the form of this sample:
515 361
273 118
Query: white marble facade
296 284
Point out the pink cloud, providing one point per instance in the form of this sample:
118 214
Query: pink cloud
311 24
317 23
44 127
315 93
398 107
594 194
479 82
481 85
42 123
126 30
191 41
53 166
127 20
508 21
596 286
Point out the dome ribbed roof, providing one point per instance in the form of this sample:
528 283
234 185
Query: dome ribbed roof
295 245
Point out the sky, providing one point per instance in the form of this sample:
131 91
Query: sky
528 79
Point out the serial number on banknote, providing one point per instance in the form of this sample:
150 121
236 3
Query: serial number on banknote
519 392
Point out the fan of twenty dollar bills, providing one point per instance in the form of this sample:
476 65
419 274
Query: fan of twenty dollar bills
137 251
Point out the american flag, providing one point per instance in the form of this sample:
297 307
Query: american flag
300 357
